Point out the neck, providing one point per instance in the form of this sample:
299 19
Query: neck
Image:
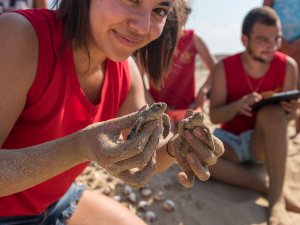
87 64
253 67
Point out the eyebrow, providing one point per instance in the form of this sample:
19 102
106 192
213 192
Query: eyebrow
169 4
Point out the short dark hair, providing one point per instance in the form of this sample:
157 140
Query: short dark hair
263 15
155 58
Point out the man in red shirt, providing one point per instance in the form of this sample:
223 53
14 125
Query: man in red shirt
240 80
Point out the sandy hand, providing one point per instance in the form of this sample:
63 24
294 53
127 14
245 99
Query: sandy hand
133 160
195 149
154 112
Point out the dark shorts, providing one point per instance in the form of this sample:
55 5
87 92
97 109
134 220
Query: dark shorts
56 214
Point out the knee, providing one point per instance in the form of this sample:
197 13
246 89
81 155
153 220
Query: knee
271 114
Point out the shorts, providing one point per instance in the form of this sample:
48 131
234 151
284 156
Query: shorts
56 214
241 144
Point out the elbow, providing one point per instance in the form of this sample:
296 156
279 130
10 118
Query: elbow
213 118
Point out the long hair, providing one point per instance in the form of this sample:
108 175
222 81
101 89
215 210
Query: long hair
155 58
74 15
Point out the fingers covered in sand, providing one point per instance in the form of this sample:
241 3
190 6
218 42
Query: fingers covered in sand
198 149
130 160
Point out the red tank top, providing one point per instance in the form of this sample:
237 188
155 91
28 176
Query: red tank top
56 106
237 86
179 87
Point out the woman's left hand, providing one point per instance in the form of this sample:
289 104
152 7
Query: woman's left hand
200 156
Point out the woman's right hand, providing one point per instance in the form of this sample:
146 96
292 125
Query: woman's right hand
133 161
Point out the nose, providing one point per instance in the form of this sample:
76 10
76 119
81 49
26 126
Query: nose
140 22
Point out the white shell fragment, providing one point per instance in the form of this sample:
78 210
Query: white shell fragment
127 190
117 198
159 196
142 205
132 197
146 192
150 217
169 205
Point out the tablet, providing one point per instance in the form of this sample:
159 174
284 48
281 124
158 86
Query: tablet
277 98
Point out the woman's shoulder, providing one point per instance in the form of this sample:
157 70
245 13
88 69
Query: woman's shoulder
19 46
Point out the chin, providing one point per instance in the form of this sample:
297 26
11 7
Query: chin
119 57
268 59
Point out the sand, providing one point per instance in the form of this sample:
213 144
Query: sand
207 203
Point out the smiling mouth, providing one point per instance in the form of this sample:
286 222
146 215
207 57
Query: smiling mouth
128 40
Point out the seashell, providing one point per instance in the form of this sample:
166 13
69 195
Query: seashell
142 205
117 198
169 205
109 178
127 190
132 197
107 190
146 192
150 217
159 196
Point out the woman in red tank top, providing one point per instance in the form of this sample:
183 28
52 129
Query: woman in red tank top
64 76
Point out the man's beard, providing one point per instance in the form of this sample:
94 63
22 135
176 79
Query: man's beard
255 57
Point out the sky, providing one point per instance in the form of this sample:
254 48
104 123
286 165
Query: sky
218 22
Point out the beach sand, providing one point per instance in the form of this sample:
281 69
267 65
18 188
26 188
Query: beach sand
207 203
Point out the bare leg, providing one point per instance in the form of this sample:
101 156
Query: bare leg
272 129
99 209
270 137
228 170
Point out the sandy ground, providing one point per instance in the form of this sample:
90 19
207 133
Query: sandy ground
207 203
164 202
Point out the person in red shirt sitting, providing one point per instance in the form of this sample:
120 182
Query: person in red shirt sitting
238 82
178 88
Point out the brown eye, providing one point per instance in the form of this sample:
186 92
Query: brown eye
161 12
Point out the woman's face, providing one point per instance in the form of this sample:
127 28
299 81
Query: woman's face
119 27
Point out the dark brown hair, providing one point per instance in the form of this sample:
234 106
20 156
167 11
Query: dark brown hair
155 58
263 15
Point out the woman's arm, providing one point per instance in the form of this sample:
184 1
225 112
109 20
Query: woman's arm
24 168
210 61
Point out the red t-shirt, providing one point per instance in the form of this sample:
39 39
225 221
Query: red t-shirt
55 107
237 86
179 87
